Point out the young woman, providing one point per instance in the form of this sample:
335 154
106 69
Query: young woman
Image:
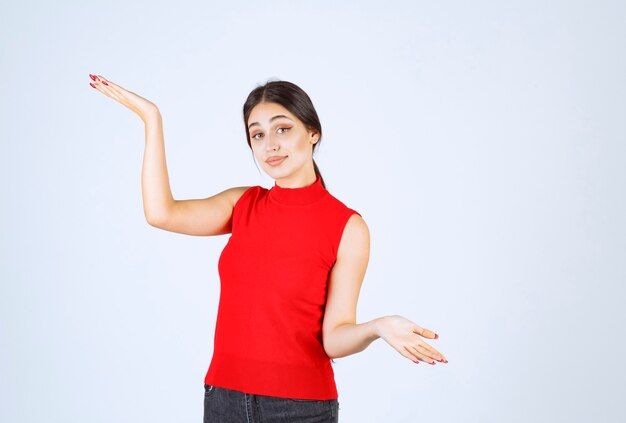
290 274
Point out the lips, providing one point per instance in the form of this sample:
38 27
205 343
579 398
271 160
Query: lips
275 160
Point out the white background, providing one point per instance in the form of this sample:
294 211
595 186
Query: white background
482 142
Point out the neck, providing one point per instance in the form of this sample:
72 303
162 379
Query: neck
298 181
298 196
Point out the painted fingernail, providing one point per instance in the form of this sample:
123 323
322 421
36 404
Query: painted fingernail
436 336
432 363
105 83
92 77
91 83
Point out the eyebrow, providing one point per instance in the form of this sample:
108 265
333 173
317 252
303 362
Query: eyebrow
271 120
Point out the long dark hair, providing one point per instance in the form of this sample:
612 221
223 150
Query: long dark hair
292 98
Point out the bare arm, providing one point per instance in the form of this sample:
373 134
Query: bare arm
155 185
207 216
342 336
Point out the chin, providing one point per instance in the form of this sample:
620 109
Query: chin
278 174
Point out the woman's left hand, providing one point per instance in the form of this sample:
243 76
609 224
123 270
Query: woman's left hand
405 337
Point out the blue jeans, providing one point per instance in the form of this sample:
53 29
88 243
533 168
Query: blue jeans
223 405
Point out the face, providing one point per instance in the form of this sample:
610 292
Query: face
275 132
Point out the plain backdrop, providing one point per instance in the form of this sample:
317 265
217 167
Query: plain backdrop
484 143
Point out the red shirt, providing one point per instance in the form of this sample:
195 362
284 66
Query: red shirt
273 278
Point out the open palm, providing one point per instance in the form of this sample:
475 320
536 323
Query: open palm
141 106
406 337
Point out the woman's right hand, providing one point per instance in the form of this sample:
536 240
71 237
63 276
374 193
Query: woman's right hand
141 106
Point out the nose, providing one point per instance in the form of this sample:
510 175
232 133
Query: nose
272 143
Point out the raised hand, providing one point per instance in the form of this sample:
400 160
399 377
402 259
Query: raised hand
142 107
406 337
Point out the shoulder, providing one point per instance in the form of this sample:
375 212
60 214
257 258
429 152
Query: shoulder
234 194
337 204
350 219
355 237
356 226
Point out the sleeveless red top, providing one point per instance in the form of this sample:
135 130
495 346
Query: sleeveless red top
273 284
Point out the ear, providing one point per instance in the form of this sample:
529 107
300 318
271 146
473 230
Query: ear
314 137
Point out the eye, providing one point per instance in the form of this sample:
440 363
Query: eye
254 136
285 129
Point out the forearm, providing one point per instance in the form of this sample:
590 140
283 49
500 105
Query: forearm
351 338
155 185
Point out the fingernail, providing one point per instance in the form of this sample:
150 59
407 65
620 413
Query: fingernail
436 336
432 363
105 83
91 83
92 77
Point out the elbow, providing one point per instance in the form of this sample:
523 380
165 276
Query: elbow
154 221
332 342
330 349
333 355
157 216
151 223
330 354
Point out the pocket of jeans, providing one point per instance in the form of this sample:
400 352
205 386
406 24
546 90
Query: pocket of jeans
208 390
